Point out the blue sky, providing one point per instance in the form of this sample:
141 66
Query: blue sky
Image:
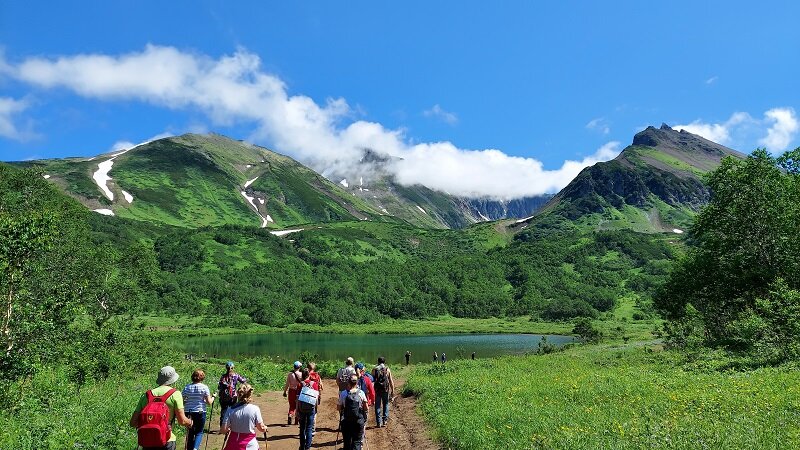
437 83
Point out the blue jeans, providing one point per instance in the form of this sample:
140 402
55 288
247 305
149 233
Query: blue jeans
195 433
306 428
381 398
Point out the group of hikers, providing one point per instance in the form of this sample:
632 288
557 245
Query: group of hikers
240 420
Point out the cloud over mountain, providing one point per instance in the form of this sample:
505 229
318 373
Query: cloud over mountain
233 89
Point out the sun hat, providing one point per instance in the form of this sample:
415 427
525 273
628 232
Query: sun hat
229 364
298 364
167 375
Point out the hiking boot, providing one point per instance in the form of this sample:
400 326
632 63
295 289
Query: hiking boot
289 419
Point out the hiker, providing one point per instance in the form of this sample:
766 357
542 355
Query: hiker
365 383
444 358
473 356
435 356
384 389
227 389
352 407
408 356
243 420
343 375
195 398
156 410
291 389
314 376
307 401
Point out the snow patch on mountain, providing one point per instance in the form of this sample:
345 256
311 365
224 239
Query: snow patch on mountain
252 202
246 185
46 176
677 231
525 219
483 217
128 196
344 183
285 232
101 176
104 211
420 208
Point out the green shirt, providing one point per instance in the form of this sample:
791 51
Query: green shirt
174 403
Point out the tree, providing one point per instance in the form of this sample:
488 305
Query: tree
742 243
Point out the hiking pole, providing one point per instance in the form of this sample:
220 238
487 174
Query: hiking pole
210 416
266 442
225 441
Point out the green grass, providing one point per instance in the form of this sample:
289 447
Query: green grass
198 325
609 398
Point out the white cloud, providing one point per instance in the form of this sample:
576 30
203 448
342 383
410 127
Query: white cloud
599 124
438 112
233 89
784 126
712 80
717 132
9 107
126 145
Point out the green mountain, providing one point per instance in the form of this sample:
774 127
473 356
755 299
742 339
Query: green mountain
210 180
204 180
655 185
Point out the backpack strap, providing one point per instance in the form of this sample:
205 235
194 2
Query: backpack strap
150 396
167 395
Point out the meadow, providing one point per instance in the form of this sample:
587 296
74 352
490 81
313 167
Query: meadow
610 397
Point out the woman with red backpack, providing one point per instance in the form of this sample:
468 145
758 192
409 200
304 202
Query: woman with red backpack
307 400
155 411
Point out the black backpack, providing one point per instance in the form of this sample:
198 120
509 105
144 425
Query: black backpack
352 408
381 379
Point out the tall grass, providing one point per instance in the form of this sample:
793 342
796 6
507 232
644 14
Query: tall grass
607 399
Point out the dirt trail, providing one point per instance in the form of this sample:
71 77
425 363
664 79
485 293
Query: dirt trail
405 431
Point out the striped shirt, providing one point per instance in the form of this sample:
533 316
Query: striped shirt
194 397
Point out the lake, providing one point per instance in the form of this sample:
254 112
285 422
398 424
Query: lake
365 347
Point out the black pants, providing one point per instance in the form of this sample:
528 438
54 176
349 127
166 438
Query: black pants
353 435
224 405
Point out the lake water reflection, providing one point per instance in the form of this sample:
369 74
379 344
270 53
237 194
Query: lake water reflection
287 346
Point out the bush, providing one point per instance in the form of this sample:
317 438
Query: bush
586 331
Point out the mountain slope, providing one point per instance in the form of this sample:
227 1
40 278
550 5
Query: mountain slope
204 180
422 206
654 185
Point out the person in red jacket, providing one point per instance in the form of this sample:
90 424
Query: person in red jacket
365 383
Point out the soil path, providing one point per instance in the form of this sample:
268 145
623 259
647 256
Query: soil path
405 430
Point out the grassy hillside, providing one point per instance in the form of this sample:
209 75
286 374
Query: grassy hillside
655 185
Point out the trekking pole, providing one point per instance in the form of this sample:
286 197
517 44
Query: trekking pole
266 442
210 416
225 441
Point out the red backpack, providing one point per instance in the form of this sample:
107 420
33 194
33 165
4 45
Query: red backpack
154 428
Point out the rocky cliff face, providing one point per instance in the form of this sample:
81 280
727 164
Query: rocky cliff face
661 170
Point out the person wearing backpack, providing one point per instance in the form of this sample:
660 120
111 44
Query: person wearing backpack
156 410
353 408
196 396
227 387
365 383
384 389
242 420
343 375
291 389
307 400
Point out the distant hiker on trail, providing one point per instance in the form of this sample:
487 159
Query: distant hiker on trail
307 401
291 389
444 358
228 384
365 383
408 356
243 420
156 410
384 389
195 397
343 375
353 407
435 356
473 356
